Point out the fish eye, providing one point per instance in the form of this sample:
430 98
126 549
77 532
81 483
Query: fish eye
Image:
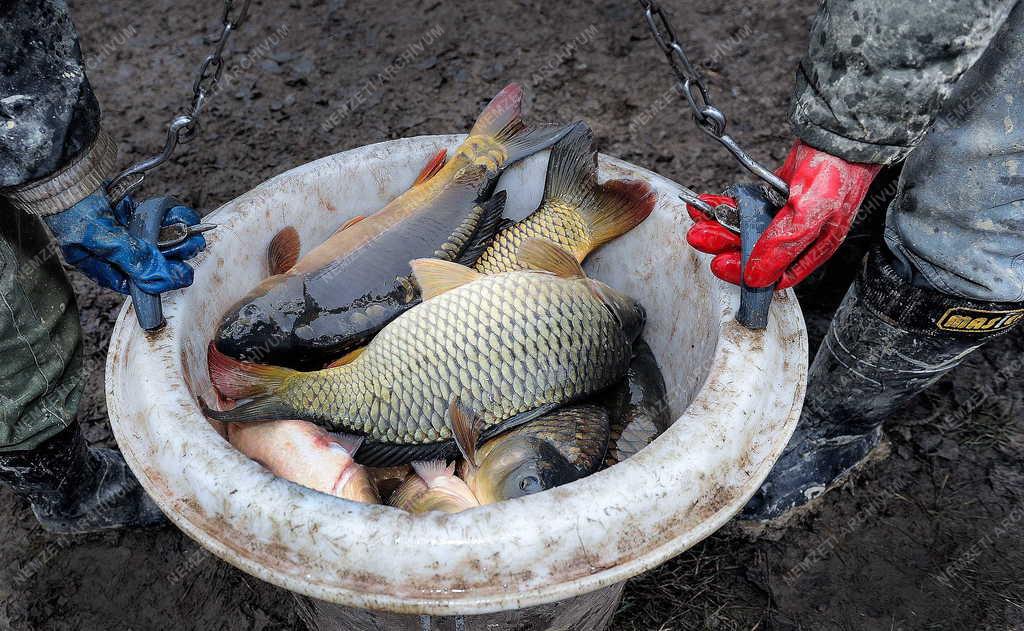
530 484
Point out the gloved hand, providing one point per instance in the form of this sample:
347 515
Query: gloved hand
94 238
824 195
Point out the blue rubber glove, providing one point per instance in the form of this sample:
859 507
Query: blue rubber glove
94 238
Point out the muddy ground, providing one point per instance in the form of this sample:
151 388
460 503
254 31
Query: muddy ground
926 539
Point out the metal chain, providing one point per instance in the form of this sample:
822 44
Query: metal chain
184 128
691 86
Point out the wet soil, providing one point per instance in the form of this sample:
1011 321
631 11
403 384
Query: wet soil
927 538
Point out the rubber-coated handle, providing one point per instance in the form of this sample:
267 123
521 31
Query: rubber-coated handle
756 212
145 224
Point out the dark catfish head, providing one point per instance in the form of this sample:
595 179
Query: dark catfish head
259 327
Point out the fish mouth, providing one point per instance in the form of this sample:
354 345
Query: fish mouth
355 484
248 339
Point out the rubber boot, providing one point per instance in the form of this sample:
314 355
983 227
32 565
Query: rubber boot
888 341
77 489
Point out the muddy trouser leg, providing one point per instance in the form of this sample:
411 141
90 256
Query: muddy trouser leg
43 456
40 338
948 279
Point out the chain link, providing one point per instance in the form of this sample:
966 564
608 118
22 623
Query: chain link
184 128
690 85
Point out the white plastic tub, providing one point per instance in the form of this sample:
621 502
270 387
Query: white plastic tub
737 395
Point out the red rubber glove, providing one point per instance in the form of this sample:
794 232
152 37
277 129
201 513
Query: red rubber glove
824 195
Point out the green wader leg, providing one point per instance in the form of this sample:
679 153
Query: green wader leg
40 336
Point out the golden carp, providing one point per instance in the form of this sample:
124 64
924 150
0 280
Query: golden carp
513 346
304 453
433 487
575 212
336 297
553 450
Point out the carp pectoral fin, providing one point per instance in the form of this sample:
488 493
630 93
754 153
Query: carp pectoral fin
432 470
433 165
489 224
349 442
407 493
466 428
517 420
435 276
373 454
347 358
283 253
546 256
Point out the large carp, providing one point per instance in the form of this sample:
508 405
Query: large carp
512 346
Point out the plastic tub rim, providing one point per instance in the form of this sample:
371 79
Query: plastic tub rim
730 372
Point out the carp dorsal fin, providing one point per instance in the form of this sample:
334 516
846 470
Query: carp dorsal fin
435 276
572 168
484 235
433 165
346 358
546 256
283 253
465 429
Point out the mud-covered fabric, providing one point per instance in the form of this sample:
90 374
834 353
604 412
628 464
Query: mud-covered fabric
957 222
888 342
877 71
76 489
40 338
48 113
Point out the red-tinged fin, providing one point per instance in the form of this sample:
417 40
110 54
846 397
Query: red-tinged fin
433 165
351 222
433 471
240 380
434 276
546 256
347 358
616 208
505 109
610 210
283 253
465 429
502 120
